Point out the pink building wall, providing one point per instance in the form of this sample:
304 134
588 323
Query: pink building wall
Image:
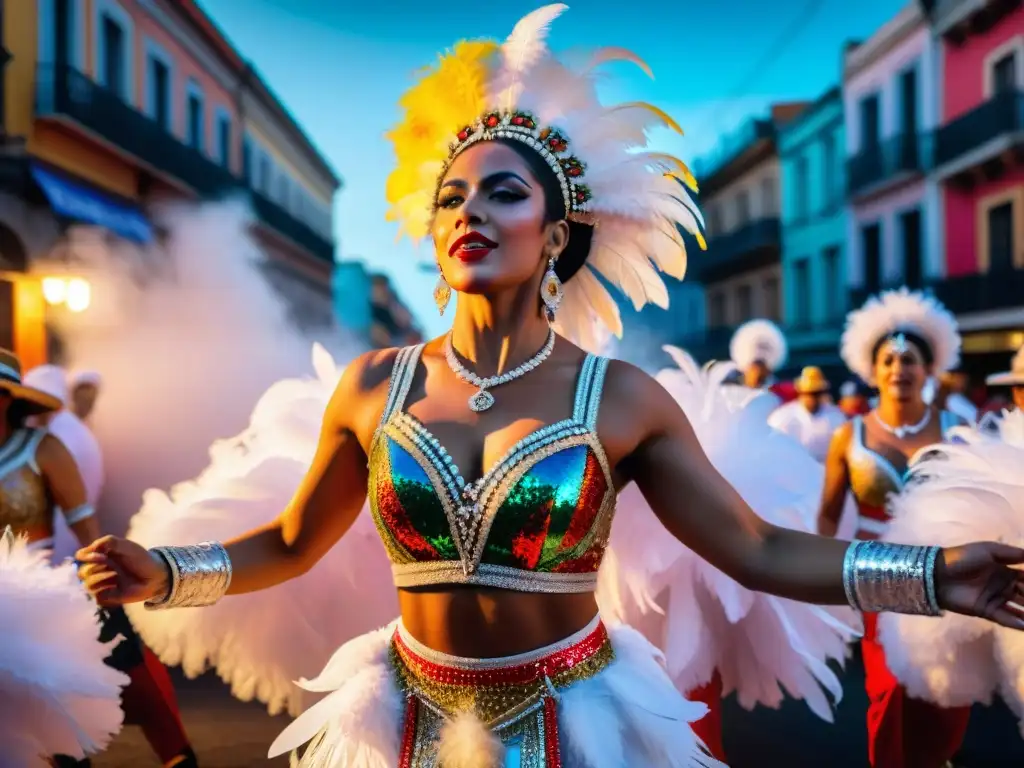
963 89
185 67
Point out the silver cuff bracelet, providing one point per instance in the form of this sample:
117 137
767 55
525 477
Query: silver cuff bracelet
200 575
897 578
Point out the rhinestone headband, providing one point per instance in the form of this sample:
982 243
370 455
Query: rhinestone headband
549 143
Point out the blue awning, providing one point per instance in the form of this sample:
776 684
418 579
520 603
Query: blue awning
76 201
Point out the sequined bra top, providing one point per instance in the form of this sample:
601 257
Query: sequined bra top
872 476
537 521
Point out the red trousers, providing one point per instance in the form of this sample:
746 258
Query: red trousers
904 732
709 727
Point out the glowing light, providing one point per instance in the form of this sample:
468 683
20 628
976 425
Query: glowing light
79 294
55 290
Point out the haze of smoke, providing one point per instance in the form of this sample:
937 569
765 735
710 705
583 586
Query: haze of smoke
187 335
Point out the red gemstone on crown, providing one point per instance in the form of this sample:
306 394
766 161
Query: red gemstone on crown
492 121
517 120
463 134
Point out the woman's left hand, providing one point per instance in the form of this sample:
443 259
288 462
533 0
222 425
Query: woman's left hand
978 580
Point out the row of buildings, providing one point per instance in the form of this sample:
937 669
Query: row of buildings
910 171
110 106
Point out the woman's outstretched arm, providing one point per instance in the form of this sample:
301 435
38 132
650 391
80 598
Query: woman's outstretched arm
323 508
697 506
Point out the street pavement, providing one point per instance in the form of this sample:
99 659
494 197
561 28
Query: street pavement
229 734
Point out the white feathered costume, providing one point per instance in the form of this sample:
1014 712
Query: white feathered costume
57 696
762 646
971 490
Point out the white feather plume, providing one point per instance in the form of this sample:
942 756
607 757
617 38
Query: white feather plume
57 695
701 618
972 490
894 311
522 49
758 340
261 643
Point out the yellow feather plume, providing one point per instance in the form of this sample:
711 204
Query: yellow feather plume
446 99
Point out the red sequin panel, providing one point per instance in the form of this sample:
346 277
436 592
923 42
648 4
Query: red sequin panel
592 491
396 520
589 562
551 751
529 542
521 674
409 732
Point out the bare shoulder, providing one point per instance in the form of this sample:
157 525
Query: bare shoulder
634 404
361 394
841 438
51 453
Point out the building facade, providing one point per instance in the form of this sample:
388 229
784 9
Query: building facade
894 226
110 107
741 272
980 171
813 176
370 309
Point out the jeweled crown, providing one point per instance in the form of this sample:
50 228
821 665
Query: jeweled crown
551 144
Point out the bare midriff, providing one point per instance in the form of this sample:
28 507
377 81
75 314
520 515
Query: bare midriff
487 623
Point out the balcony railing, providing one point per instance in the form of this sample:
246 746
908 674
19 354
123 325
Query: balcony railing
1002 115
897 157
752 245
276 217
965 294
63 92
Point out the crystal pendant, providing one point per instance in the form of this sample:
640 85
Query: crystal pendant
481 401
900 432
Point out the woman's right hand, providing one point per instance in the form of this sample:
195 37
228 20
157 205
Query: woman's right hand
117 571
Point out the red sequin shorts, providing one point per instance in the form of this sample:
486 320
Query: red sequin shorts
513 697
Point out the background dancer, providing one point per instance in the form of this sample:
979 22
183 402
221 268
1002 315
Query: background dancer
149 700
1014 379
38 480
893 343
812 417
759 349
84 388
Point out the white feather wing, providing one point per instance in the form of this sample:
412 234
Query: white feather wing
704 620
262 642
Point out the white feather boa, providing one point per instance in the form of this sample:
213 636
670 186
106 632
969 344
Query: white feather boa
972 490
57 695
703 619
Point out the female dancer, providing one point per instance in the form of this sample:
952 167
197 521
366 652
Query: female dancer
499 648
893 343
71 706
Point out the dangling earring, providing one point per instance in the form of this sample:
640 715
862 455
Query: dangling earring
442 294
551 291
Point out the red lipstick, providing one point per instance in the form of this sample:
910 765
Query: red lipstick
471 247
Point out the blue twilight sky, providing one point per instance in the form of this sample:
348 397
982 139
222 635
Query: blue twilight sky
340 65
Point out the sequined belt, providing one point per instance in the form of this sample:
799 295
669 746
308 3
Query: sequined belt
514 696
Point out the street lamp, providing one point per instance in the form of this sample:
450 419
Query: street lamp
75 293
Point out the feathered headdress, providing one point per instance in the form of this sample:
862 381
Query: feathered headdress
636 199
891 313
758 340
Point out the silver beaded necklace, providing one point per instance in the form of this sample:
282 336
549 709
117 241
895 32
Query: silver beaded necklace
481 400
904 429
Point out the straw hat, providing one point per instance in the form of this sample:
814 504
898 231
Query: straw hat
1013 377
10 380
812 381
